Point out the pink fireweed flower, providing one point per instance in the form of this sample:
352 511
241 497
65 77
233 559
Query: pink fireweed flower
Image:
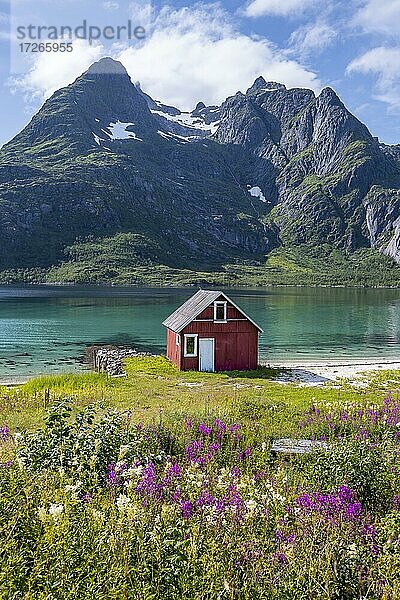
214 447
206 499
174 471
177 495
396 502
115 474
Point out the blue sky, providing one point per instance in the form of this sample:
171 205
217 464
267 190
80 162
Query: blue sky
207 51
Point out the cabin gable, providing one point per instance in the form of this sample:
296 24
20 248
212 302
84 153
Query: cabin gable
219 336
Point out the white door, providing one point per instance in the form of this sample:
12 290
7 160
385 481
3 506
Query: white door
206 354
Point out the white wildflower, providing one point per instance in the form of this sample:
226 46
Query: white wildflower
97 515
251 505
135 471
123 451
352 550
70 488
123 502
56 510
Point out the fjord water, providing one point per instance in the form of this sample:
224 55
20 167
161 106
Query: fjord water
45 329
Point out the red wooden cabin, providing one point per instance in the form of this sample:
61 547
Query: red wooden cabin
209 332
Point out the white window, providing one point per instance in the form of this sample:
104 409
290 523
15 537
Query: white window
220 312
178 339
190 344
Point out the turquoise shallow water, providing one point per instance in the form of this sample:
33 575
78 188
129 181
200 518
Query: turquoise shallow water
46 328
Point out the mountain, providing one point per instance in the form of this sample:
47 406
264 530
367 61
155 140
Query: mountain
104 177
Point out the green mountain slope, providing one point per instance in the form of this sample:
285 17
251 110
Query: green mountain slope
106 184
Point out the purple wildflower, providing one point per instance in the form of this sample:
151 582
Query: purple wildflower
174 471
206 499
204 429
369 534
214 447
187 509
396 502
4 433
87 497
220 427
235 473
280 558
177 495
343 504
148 486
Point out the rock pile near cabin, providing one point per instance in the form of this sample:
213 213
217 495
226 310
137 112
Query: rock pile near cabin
109 359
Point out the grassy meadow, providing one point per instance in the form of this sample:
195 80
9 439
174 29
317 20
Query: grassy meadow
163 485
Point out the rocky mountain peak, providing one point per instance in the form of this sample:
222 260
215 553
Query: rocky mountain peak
328 95
261 85
107 66
199 107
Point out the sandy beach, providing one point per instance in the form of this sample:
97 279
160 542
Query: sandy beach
324 371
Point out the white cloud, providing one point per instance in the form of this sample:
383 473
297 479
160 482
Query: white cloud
197 54
142 13
385 64
53 70
280 8
312 38
111 5
381 16
190 54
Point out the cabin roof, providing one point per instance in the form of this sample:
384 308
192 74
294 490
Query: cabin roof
201 300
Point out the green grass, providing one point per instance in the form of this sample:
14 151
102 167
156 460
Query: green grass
153 388
300 265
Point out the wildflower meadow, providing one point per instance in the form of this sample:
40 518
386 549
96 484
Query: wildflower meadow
95 504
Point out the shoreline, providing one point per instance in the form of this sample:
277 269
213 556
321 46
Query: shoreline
331 371
309 371
167 285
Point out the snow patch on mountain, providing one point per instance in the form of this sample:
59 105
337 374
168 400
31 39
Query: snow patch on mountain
116 131
119 131
256 192
173 136
188 120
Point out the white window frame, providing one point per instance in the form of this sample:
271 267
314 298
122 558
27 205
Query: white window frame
225 305
186 336
178 339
